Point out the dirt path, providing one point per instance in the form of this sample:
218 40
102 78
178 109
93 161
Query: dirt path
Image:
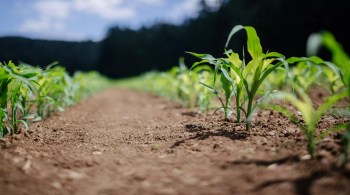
126 142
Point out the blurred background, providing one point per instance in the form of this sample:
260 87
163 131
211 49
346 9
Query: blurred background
123 38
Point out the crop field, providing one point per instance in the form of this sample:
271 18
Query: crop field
248 122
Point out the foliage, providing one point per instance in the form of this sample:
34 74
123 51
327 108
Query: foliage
246 81
346 146
17 87
340 65
29 94
88 83
177 84
241 80
311 116
340 60
309 72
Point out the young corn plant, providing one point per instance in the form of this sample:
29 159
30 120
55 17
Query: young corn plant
3 100
89 83
3 128
191 94
341 66
331 79
241 80
186 85
340 60
28 94
205 96
277 80
57 91
311 116
17 87
306 74
345 146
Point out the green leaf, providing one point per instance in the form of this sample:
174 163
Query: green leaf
226 75
234 30
203 56
254 46
226 83
313 44
209 88
283 110
330 101
274 55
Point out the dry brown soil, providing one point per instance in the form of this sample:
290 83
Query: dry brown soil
128 142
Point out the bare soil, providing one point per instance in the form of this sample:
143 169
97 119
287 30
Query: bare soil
128 142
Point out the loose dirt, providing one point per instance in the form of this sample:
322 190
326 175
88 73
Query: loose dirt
128 142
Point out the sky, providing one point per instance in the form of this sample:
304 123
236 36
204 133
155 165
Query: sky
77 20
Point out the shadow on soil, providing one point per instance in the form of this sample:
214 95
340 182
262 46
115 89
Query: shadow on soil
293 158
301 185
203 133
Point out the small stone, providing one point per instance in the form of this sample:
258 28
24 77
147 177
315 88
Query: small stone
272 166
305 157
72 175
264 141
322 154
27 166
16 137
327 139
57 185
216 146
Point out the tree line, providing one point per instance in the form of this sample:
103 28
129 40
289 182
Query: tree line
282 26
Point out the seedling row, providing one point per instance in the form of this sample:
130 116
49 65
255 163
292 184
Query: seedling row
30 94
240 83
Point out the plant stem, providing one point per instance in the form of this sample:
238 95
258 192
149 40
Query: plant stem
249 111
311 144
238 111
226 107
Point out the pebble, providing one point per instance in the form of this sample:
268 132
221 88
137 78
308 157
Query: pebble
57 185
305 157
216 146
264 141
16 137
72 175
272 166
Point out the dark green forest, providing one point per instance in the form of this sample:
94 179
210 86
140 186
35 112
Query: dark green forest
282 26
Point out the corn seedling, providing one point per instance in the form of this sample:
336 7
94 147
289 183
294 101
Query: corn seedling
345 146
340 65
29 94
331 79
340 60
306 74
186 86
240 80
191 94
17 86
88 83
277 80
311 116
57 91
205 96
178 84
